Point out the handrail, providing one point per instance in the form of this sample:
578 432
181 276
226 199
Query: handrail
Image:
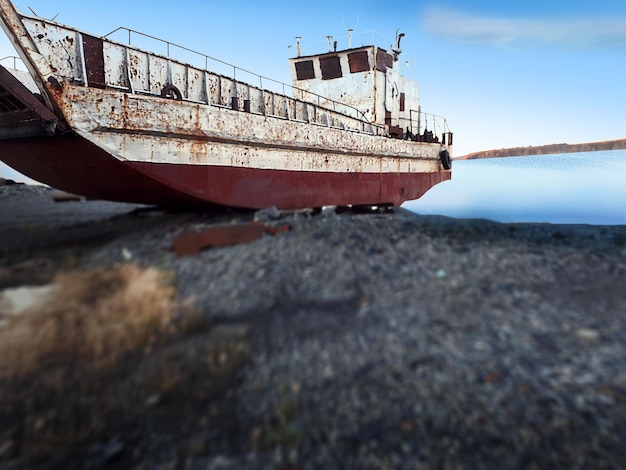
434 118
439 129
15 59
359 114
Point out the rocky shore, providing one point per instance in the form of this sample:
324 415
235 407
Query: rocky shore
351 340
550 149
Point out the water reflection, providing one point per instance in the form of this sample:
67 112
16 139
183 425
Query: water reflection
587 188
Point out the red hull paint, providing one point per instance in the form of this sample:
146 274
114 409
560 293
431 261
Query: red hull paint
256 188
73 164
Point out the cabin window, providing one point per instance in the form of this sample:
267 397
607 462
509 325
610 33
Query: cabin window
359 62
402 101
384 61
304 70
331 67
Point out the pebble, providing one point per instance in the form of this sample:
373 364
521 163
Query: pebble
18 300
112 449
6 448
152 401
587 334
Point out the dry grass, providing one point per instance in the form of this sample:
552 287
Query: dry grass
101 357
96 318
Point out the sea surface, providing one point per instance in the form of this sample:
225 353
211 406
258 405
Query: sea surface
574 188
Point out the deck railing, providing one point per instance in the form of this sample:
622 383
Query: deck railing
426 127
233 88
128 66
13 58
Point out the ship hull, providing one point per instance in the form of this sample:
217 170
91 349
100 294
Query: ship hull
109 121
154 151
76 165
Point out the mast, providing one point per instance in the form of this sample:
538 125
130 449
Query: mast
13 26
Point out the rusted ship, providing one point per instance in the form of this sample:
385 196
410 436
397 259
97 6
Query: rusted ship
107 119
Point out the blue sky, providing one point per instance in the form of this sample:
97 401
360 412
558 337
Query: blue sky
502 73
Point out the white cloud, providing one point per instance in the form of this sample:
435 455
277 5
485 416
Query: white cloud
505 30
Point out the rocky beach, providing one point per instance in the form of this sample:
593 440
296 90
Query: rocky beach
334 339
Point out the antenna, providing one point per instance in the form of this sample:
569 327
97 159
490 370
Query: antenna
298 39
350 30
396 50
330 38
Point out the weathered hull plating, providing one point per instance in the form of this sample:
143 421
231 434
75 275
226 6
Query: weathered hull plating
76 165
114 141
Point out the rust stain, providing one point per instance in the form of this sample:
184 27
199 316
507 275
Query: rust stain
277 230
495 376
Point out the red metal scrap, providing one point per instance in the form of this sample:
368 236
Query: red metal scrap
190 242
276 230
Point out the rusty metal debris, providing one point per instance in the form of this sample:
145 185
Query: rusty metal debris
190 242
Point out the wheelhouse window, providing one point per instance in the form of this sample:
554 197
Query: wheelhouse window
331 67
359 62
304 70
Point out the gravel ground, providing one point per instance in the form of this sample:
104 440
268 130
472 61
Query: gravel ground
377 340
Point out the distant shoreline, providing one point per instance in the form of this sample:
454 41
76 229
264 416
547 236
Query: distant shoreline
547 149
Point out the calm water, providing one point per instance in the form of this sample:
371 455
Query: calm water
577 188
